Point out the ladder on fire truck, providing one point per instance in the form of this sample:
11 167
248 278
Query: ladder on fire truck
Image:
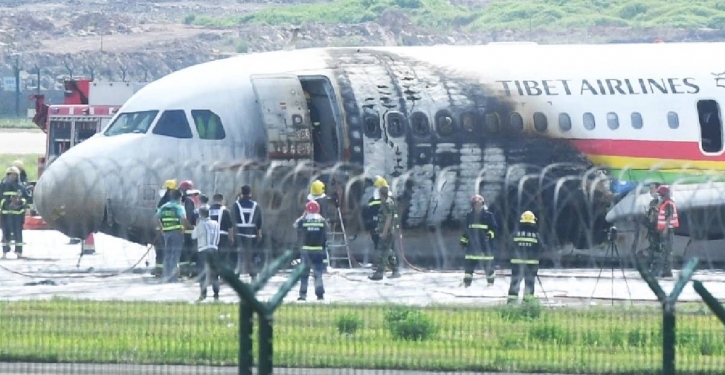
337 240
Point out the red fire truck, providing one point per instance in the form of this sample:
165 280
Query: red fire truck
87 107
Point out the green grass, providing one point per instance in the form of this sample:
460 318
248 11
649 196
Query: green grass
620 340
497 15
17 123
30 161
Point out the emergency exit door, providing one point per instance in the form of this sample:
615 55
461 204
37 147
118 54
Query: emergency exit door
285 116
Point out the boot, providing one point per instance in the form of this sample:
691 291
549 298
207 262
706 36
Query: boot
376 276
395 275
202 296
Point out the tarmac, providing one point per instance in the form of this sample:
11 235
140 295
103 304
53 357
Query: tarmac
16 141
118 271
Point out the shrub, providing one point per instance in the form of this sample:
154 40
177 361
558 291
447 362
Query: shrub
529 310
408 324
348 324
189 19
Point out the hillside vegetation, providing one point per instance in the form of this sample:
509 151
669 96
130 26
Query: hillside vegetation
496 15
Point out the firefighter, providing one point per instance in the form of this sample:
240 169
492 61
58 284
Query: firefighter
189 199
13 203
317 194
386 230
525 263
247 217
169 185
371 213
480 231
172 221
22 176
219 213
667 221
313 229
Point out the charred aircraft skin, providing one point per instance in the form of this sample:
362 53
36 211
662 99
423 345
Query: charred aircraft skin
439 135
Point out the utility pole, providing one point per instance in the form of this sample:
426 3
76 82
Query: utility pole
16 70
37 71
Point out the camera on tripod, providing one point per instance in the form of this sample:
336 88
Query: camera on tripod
612 236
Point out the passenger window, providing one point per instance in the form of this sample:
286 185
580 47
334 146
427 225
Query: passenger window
131 122
371 126
208 124
636 120
710 125
419 123
444 123
492 122
612 120
173 123
564 122
468 120
589 122
395 124
540 122
517 122
673 120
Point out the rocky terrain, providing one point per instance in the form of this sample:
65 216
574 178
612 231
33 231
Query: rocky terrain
144 40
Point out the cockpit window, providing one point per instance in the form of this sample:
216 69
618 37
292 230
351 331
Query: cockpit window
131 122
208 124
173 123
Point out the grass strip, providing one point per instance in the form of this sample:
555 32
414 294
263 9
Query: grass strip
445 338
17 123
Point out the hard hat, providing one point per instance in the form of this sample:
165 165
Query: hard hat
317 188
528 217
663 190
312 207
186 185
18 164
477 199
380 182
170 184
12 170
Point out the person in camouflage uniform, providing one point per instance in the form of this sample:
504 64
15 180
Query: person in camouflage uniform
386 229
654 250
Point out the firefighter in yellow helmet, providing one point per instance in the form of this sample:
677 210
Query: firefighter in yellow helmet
169 185
317 194
525 262
477 238
22 175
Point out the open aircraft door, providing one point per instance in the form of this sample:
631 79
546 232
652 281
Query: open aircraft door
283 109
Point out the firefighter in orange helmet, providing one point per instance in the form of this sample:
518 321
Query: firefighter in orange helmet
667 222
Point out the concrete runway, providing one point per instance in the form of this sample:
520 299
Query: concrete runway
22 142
127 369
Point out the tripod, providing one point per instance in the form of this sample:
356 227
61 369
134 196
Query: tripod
609 255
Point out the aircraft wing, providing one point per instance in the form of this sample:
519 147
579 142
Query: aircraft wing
686 197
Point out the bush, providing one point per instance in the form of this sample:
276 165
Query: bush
189 19
348 324
529 310
408 324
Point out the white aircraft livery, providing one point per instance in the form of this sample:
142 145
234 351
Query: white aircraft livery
572 132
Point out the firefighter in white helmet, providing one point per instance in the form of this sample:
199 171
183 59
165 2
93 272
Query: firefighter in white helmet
480 230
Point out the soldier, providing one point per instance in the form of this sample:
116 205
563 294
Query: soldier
476 240
370 216
386 230
653 237
667 222
313 229
525 263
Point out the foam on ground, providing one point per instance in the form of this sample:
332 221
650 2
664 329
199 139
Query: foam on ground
51 270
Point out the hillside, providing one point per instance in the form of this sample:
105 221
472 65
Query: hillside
145 40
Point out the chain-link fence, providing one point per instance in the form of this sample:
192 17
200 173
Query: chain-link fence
591 310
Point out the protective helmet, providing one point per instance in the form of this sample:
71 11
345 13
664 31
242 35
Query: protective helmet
12 170
476 199
380 182
528 217
317 188
312 207
663 190
186 185
170 184
18 164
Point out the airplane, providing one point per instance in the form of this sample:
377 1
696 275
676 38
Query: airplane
572 132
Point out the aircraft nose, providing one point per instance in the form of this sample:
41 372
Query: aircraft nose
69 196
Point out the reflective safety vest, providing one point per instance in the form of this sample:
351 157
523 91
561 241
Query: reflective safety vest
662 220
8 208
170 221
245 224
527 242
314 235
216 214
